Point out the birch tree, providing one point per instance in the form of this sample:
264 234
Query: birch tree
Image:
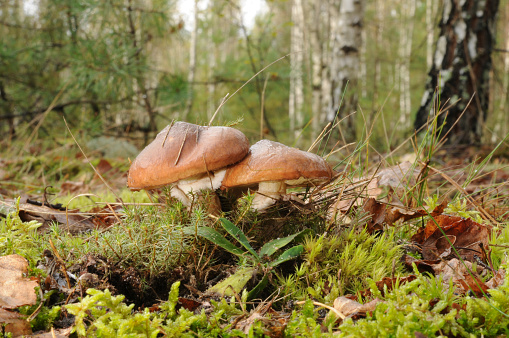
296 97
346 27
461 68
403 66
315 42
192 62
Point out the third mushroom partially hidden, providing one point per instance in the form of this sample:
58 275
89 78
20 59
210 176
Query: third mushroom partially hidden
272 167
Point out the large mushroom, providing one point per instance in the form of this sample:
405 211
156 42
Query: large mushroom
189 157
271 167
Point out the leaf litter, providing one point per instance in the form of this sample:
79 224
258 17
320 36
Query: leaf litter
456 248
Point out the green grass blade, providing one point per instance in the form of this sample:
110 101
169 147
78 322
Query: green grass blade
258 288
239 236
269 248
289 254
215 237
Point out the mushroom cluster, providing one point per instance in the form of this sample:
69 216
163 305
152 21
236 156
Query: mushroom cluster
193 158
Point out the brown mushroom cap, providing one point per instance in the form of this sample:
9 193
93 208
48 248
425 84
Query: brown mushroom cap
273 161
185 150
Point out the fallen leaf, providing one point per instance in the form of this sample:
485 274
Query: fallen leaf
399 177
466 236
497 279
58 333
474 284
349 307
14 323
103 166
15 290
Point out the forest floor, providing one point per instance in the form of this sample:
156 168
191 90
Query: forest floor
406 248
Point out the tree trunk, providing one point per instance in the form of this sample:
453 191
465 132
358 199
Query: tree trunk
296 100
501 116
405 52
461 68
192 63
346 27
431 11
315 41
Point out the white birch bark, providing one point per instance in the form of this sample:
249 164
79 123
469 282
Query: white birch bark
192 63
315 40
431 12
325 17
211 60
346 42
380 21
501 126
404 54
296 104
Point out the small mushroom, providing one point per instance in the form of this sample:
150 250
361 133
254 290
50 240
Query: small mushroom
272 167
189 157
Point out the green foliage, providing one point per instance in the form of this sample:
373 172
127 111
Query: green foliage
499 237
19 237
149 239
46 316
304 323
488 317
459 207
108 316
100 314
336 265
261 260
425 305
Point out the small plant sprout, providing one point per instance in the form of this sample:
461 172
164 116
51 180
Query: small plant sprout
261 261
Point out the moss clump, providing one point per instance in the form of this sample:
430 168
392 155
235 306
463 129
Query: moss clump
341 264
425 305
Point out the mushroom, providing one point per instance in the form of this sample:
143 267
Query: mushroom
189 157
272 167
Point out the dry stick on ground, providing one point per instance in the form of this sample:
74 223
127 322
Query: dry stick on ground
339 314
60 262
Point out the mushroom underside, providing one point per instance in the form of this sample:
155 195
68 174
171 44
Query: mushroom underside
209 181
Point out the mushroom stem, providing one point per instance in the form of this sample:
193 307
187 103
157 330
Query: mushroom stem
180 195
181 189
268 193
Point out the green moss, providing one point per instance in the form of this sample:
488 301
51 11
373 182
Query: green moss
341 264
19 237
425 305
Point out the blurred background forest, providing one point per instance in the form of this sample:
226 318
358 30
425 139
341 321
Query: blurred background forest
127 68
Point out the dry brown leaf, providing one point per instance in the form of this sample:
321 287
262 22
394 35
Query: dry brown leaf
496 280
14 323
15 290
399 177
466 235
349 307
58 333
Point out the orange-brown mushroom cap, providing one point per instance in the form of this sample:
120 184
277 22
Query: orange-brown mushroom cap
273 161
184 150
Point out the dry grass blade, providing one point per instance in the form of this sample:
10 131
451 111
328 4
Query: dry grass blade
182 146
339 314
481 210
227 97
166 136
90 163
